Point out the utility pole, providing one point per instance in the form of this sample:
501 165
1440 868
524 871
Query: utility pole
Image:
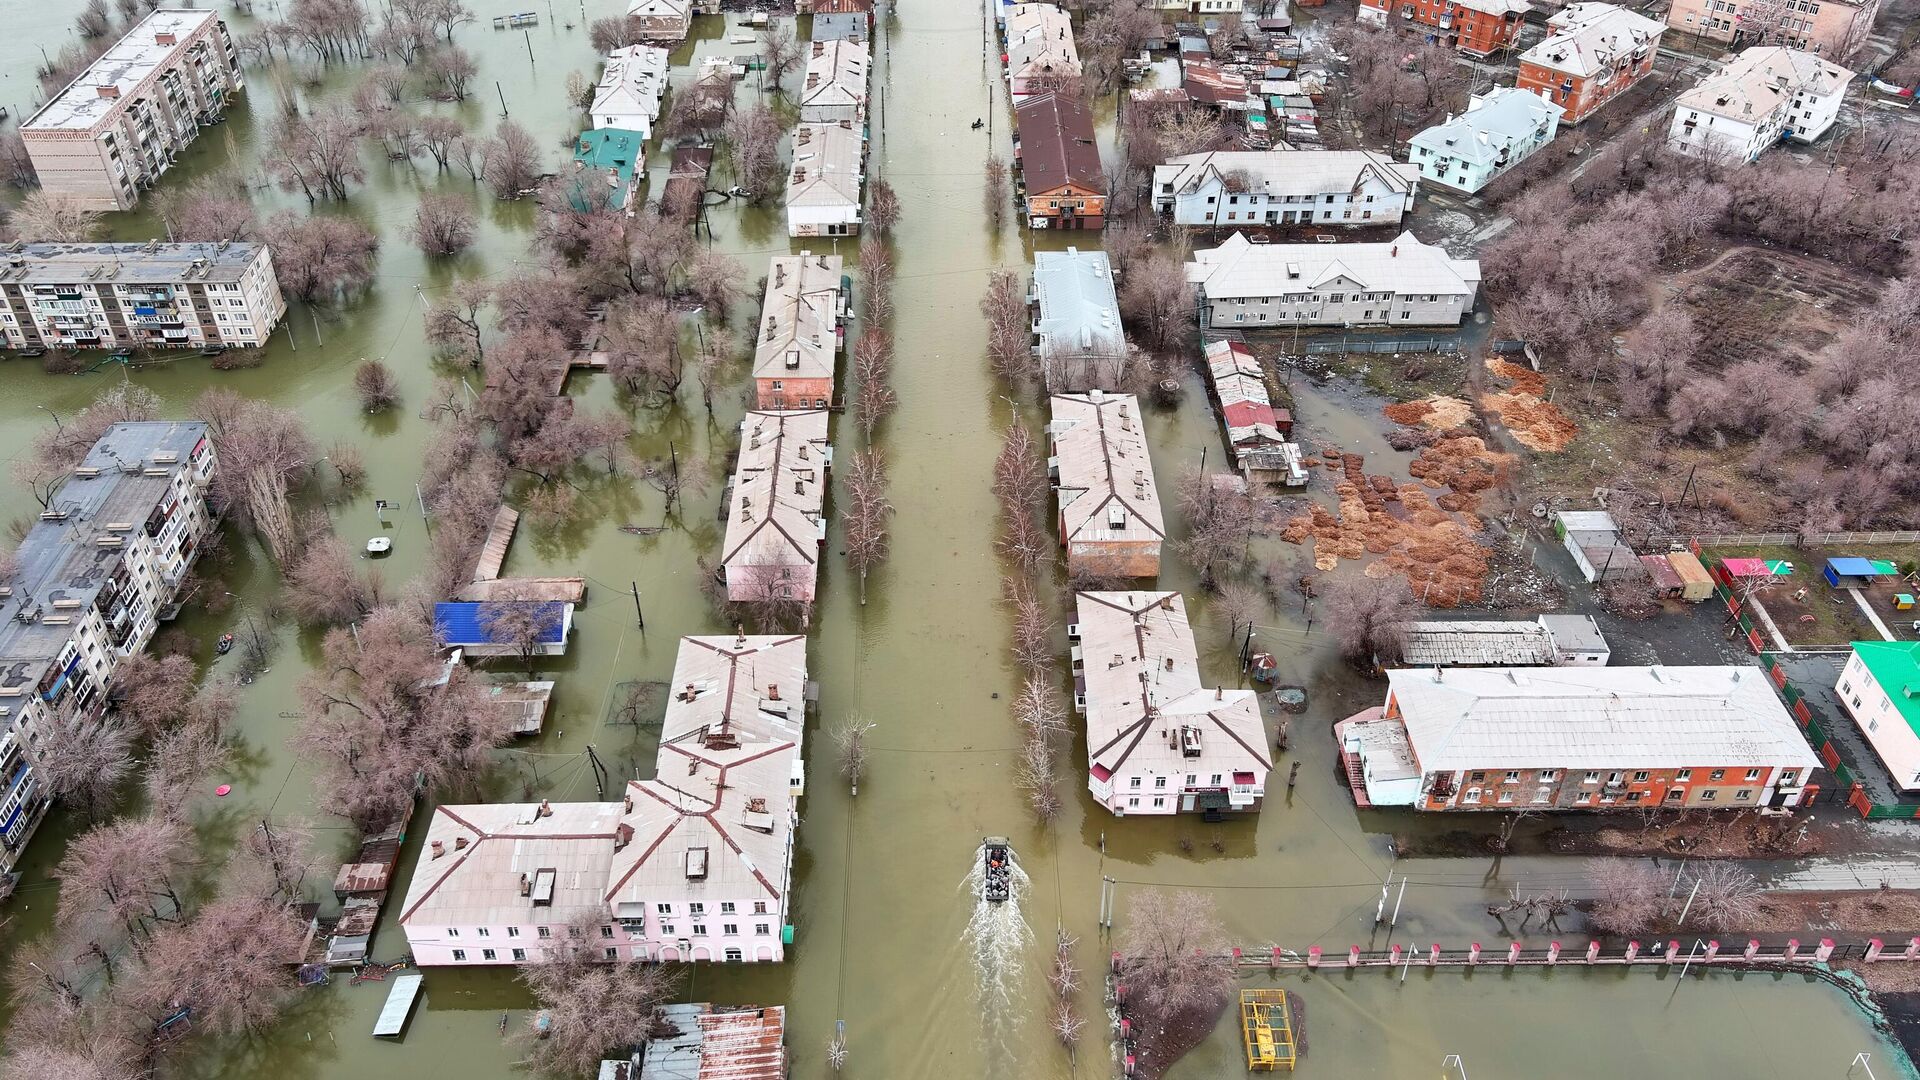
422 500
503 98
599 772
528 34
316 327
639 615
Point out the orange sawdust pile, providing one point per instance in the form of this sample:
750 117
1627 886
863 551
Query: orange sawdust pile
1402 526
1462 463
1439 412
1535 423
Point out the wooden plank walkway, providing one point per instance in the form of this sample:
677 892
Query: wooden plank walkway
493 554
566 590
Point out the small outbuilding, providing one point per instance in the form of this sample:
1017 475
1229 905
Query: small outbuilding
1695 583
1854 573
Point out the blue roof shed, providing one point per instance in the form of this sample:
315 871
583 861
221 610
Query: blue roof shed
460 625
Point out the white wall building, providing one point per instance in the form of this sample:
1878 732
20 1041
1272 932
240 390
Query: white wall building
119 124
114 296
1499 130
1041 56
1880 689
631 87
1402 283
1159 741
823 185
97 570
694 865
1076 320
1284 187
1760 97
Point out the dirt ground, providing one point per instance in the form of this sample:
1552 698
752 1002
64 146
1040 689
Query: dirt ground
1749 302
1524 410
1702 834
1880 913
1808 611
1160 1043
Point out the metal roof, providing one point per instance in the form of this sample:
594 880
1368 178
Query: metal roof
1106 486
1057 145
152 263
717 1042
1238 268
1079 313
1596 718
1288 172
1588 38
460 622
798 332
1493 122
1477 643
827 167
778 485
400 999
120 70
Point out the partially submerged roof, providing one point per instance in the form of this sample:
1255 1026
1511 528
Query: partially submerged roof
827 167
1106 485
798 332
1239 268
1057 144
717 1042
1147 710
464 622
488 851
633 82
1240 385
1596 718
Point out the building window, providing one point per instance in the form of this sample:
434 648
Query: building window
1676 795
759 907
484 932
1472 795
1133 782
1513 776
1548 776
666 929
696 908
452 932
664 909
1753 774
606 931
573 931
1133 802
734 956
1709 795
699 929
1640 777
1788 778
519 955
761 929
459 955
730 929
1591 778
486 954
1683 775
1743 794
1159 781
613 954
545 932
1717 774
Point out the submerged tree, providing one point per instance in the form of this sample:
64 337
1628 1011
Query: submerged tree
588 1006
867 536
850 739
1174 954
442 225
1368 617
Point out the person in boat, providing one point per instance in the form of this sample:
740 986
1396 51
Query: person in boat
226 642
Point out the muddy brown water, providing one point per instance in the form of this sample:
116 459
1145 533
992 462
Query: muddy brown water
879 904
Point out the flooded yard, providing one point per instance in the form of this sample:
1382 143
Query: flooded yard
882 901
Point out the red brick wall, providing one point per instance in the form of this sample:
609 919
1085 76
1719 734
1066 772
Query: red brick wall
793 393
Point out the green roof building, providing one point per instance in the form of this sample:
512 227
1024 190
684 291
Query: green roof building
1880 689
605 162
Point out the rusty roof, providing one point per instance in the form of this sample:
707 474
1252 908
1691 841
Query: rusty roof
1057 145
718 1042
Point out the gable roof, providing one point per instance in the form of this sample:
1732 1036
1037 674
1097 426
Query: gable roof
836 74
1895 665
1587 38
1313 172
1761 80
1040 36
1103 462
798 331
1493 122
774 519
1142 674
750 687
486 849
1239 268
826 167
1079 313
1596 718
1057 144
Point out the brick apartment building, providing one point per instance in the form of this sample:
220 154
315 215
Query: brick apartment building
119 124
1475 27
118 296
1834 29
1593 53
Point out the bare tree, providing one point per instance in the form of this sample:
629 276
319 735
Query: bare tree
850 739
1242 605
54 217
83 760
323 255
753 141
586 1006
1729 898
1009 328
324 589
1156 297
265 453
1039 710
319 154
442 225
208 210
16 165
1020 487
1219 521
152 693
509 161
438 134
876 279
609 34
1630 897
378 389
1032 627
780 54
454 326
93 20
883 207
995 192
449 73
525 626
873 367
1368 617
868 513
1174 952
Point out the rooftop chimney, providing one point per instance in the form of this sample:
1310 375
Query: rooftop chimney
439 849
107 91
546 808
164 37
1394 252
459 843
773 691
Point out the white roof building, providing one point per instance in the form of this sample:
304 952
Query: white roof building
1159 741
1109 502
798 334
1040 49
1760 97
631 86
1402 282
775 528
1500 129
836 82
107 86
1578 718
1229 187
823 186
1586 39
1076 324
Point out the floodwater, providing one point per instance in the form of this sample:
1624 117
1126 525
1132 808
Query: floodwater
881 921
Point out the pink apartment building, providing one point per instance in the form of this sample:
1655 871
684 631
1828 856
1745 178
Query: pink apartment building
775 528
692 865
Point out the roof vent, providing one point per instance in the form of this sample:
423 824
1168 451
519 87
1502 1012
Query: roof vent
696 863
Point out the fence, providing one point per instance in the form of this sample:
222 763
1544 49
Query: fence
1845 782
1378 345
1704 951
1797 539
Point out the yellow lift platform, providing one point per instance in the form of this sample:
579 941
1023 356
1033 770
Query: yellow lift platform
1268 1030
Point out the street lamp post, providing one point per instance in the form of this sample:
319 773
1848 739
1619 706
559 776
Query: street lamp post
50 412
